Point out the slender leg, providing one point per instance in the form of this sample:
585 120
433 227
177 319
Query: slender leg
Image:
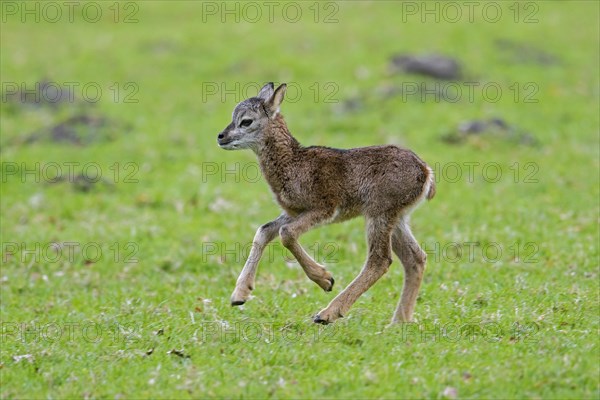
379 232
413 259
289 238
264 235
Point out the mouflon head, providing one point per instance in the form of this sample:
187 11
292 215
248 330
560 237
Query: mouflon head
250 119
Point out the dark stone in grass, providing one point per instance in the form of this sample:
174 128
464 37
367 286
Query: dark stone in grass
44 93
84 183
432 65
81 182
500 123
524 53
79 130
472 127
491 127
419 91
479 126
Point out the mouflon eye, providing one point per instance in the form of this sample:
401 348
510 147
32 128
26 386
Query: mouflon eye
246 122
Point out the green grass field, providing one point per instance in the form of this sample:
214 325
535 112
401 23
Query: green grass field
118 285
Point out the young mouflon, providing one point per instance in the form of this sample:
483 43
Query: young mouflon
320 185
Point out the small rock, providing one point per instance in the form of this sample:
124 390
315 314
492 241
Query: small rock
470 127
523 53
492 126
38 94
433 65
79 130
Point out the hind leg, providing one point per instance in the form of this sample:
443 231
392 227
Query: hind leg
379 231
413 259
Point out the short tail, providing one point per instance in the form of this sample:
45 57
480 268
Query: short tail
429 188
427 192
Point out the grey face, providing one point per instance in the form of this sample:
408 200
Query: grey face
247 122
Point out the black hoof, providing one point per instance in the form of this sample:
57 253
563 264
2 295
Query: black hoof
318 320
332 283
237 303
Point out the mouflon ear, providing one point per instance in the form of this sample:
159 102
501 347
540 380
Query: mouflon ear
266 92
272 105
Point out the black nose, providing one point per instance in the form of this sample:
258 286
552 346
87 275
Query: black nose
221 136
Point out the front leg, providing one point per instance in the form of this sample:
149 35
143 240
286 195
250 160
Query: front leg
264 235
289 238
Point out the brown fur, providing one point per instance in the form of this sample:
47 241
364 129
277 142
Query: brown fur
319 185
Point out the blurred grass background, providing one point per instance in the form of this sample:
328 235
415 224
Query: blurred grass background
173 209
